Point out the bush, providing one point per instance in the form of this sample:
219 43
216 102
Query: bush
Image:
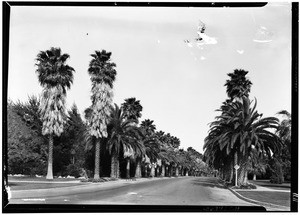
246 186
73 170
276 179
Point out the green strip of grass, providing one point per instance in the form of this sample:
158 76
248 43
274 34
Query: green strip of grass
27 178
31 186
278 198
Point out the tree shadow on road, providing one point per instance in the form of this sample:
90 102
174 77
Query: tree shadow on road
207 182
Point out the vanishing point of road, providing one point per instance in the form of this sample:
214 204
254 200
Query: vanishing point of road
158 191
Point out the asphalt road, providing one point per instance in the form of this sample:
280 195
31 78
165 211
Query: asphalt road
166 191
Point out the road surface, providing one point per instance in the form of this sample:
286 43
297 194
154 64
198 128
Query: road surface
165 191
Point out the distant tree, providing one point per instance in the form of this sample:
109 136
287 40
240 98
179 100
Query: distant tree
132 111
27 152
150 142
55 76
74 134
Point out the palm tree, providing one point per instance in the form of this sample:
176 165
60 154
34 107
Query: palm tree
151 150
244 129
150 141
281 162
123 135
132 110
237 87
284 128
55 76
102 74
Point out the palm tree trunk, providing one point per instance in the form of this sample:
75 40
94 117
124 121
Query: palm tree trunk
254 177
97 161
235 162
50 158
163 170
113 166
242 171
128 168
152 170
231 172
176 171
117 168
171 170
138 168
145 170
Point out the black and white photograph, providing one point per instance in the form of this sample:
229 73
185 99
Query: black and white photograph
165 107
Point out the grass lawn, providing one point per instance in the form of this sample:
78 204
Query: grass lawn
36 185
28 178
24 182
267 183
278 198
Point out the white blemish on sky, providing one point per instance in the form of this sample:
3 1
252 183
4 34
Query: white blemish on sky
240 51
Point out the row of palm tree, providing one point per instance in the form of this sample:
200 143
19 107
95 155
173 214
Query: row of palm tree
107 123
240 138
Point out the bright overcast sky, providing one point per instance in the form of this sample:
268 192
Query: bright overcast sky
179 84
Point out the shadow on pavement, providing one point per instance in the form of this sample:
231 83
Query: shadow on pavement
207 182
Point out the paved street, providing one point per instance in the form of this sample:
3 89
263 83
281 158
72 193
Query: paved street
164 191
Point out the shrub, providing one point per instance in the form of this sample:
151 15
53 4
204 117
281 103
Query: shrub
73 170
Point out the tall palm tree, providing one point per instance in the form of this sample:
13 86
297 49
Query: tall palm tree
55 76
237 87
102 74
123 136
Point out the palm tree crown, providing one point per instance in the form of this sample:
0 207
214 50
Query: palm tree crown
101 69
52 69
238 85
132 109
148 126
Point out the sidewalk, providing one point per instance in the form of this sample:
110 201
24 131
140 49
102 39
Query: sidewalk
273 198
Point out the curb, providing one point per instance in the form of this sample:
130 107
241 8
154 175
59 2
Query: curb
258 202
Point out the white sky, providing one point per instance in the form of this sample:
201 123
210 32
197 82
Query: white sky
179 87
